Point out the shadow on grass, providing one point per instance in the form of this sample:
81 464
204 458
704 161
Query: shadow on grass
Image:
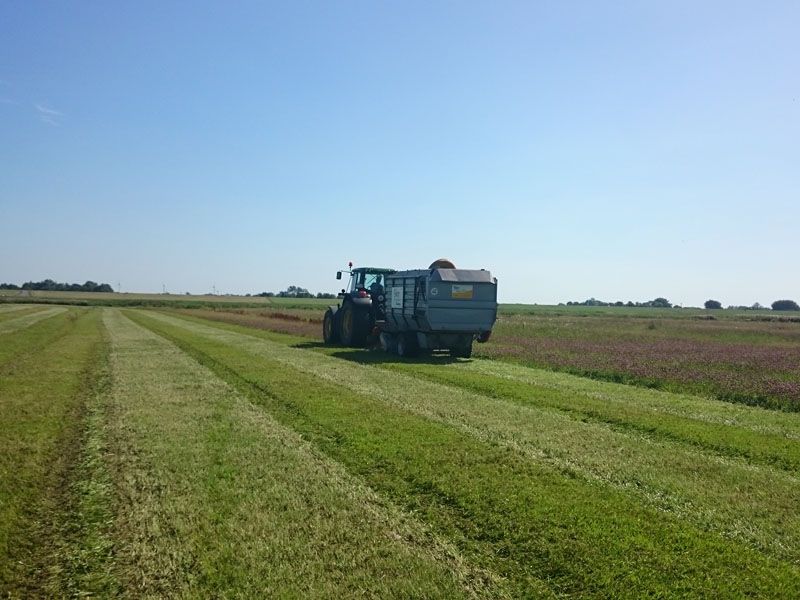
372 356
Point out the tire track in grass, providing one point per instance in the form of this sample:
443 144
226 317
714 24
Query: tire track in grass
218 499
80 563
516 514
752 503
27 320
41 402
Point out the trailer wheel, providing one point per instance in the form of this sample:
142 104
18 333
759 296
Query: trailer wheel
463 350
329 333
406 346
388 342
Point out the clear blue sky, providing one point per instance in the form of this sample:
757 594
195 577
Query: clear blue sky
608 149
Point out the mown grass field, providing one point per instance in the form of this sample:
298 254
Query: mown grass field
204 453
751 357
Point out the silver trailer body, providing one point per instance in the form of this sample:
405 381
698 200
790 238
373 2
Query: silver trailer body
442 308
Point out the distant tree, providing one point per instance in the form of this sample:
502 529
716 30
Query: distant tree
756 306
326 295
48 285
294 291
661 303
8 286
713 304
785 305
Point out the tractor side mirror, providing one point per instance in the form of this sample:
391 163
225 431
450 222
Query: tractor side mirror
338 274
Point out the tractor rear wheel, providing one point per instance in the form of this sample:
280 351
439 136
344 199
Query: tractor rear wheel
354 326
329 333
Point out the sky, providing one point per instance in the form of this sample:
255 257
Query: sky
616 150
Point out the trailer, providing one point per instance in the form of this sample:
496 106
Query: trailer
440 308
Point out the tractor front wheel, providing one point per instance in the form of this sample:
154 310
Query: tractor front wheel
329 334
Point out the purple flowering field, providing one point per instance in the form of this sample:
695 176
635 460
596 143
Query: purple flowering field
754 362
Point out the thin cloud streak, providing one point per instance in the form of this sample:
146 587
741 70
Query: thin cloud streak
48 111
48 115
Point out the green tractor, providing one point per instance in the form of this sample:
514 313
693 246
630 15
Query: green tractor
353 321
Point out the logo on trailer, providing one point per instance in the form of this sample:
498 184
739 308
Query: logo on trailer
397 297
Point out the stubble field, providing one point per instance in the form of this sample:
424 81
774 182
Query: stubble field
227 453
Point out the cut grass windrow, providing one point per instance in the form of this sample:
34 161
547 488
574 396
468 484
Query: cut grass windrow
7 315
753 503
21 322
7 308
217 499
17 345
454 458
759 435
41 402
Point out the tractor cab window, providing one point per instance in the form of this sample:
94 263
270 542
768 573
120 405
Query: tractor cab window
356 281
373 280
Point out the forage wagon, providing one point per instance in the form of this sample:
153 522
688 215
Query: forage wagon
438 308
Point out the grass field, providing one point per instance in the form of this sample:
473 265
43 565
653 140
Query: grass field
220 453
10 297
749 357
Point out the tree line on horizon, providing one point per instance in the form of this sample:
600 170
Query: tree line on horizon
293 291
48 285
664 303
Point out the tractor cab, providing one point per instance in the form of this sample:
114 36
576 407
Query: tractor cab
366 283
362 308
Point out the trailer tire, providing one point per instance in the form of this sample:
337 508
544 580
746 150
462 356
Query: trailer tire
463 350
388 342
407 346
330 334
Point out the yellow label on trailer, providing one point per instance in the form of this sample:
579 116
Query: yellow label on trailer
462 292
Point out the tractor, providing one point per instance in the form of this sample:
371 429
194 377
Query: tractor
353 322
440 308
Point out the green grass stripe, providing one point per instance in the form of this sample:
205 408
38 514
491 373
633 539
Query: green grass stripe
21 322
516 512
8 308
753 503
759 435
81 560
217 499
17 345
14 314
40 404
